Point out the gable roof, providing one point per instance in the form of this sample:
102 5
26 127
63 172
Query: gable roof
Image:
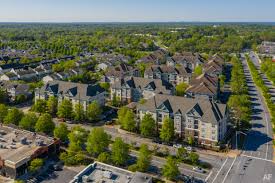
74 90
210 111
156 85
166 69
204 85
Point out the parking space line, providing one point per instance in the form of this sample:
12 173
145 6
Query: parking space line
220 170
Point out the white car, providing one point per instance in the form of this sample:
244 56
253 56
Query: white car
189 148
177 146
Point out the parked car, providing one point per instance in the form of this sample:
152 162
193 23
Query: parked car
198 169
177 146
189 148
69 122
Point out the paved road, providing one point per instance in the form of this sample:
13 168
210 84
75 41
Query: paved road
255 164
215 161
255 59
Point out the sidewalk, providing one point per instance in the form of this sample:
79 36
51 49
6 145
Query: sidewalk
114 130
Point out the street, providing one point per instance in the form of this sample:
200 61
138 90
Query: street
255 163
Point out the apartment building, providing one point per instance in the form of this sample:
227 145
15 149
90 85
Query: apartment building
134 88
203 120
171 74
75 92
119 72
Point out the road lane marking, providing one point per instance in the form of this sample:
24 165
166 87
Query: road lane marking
256 158
220 169
229 170
208 176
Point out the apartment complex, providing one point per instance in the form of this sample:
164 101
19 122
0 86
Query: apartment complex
267 47
135 88
75 92
201 119
171 74
204 86
119 72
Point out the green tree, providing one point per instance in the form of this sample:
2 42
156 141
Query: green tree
3 112
182 153
190 140
35 165
20 99
13 116
181 88
40 106
198 70
129 122
222 80
45 124
148 126
52 105
65 109
3 96
28 121
94 111
98 141
79 114
121 114
120 152
170 170
106 86
144 158
194 157
167 130
61 132
77 138
104 157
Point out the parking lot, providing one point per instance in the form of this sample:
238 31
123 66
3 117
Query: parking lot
51 176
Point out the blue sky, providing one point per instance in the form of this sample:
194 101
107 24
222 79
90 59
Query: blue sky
136 10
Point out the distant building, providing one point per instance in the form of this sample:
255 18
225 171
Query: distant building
188 60
267 47
16 89
119 72
100 172
8 76
20 147
204 86
134 88
171 74
75 92
214 66
156 58
203 120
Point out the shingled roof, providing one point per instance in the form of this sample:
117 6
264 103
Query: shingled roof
188 56
209 111
166 69
156 85
204 85
74 90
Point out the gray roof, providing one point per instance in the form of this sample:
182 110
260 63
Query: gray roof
209 111
166 69
156 85
73 90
